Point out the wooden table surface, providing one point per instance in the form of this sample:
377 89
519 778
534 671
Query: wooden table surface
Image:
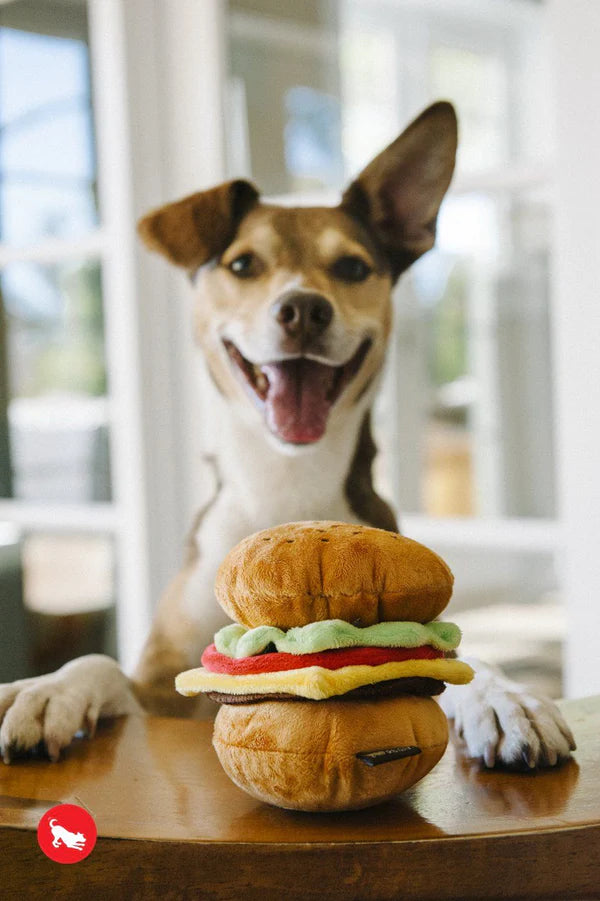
172 825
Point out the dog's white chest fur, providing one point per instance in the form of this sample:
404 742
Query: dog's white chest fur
263 487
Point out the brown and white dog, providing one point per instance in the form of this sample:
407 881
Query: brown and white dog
293 313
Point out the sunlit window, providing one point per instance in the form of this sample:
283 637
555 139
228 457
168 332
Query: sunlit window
54 410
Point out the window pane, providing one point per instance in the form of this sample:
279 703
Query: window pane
290 97
56 415
368 59
508 607
47 159
331 83
478 84
58 600
473 343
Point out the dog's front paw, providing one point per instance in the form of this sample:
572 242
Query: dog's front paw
504 724
49 710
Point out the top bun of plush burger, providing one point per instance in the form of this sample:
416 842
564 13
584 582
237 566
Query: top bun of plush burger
301 573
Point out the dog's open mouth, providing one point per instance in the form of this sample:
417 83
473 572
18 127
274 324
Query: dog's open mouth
297 395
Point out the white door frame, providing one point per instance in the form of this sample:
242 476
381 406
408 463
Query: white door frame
575 28
158 79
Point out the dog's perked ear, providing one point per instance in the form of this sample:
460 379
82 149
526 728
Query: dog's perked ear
399 193
192 231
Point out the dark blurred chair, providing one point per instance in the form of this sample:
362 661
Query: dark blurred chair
14 635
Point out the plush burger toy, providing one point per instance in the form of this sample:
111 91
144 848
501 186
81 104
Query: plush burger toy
327 675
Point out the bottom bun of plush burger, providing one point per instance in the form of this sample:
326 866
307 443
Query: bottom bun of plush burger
337 755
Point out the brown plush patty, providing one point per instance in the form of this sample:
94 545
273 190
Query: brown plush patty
422 687
302 572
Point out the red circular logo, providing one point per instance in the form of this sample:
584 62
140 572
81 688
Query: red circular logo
67 833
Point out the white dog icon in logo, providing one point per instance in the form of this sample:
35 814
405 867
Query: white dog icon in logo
74 840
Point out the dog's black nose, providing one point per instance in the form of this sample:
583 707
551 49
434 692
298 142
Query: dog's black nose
302 314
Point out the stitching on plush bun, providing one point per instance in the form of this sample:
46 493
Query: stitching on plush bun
319 754
320 560
363 593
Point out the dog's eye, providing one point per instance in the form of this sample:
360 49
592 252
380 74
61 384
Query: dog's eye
351 269
244 266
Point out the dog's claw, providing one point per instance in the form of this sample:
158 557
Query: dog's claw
528 757
569 737
53 749
489 755
551 756
91 721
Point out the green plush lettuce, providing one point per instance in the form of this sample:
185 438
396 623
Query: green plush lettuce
237 641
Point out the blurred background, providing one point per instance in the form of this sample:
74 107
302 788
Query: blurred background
489 419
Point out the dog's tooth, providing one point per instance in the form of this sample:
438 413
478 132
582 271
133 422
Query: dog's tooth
262 383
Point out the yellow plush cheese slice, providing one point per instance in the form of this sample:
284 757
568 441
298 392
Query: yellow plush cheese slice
318 683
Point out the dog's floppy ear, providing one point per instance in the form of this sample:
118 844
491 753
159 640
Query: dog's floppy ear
192 231
399 193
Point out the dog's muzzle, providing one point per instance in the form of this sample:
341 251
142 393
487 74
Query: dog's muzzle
296 395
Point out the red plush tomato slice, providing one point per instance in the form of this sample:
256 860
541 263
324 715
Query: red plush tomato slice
334 659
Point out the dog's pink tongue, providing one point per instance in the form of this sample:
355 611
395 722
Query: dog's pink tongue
298 399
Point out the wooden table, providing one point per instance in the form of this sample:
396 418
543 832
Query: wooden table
171 825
